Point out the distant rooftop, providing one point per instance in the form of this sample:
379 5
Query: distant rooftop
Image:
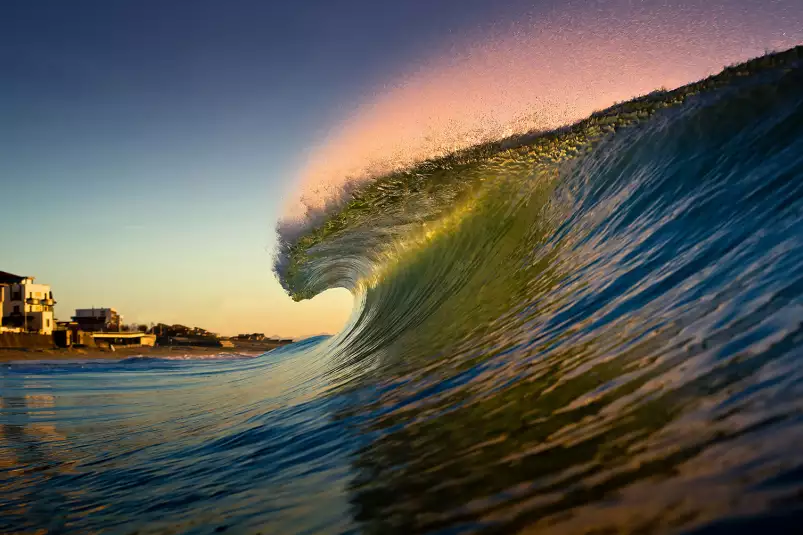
10 278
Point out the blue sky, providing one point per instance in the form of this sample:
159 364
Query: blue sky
147 147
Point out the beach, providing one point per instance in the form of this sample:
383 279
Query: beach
250 349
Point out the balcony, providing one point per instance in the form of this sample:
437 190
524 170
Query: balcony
38 301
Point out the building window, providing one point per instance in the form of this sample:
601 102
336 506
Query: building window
48 323
16 309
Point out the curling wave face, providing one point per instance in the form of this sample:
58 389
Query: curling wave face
574 326
596 329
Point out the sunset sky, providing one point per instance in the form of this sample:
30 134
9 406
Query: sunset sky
148 148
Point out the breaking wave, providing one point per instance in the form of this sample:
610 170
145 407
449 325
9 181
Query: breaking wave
595 329
563 324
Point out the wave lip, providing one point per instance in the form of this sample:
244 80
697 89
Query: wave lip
391 206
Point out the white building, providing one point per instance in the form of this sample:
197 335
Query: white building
98 319
26 305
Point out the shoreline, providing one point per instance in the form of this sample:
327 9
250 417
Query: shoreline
93 353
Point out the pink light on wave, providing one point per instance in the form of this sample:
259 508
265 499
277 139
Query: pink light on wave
551 70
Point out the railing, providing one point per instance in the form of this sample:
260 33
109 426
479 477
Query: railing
38 301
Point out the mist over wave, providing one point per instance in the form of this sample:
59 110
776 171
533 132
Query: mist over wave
541 72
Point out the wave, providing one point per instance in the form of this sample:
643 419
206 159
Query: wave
595 329
191 356
407 206
605 303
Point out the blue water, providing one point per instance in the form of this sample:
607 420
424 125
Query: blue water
597 331
152 446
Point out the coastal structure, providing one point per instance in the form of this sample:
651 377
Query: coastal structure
28 323
72 334
26 306
98 319
135 338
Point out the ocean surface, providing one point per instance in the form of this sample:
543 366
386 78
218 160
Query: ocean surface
593 330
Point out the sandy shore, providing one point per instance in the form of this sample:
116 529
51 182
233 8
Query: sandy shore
8 355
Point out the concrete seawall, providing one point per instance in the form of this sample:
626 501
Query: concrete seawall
26 341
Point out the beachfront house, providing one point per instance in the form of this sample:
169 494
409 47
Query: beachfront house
98 319
27 306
